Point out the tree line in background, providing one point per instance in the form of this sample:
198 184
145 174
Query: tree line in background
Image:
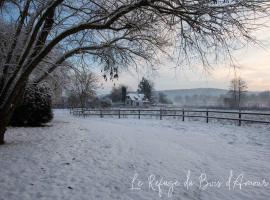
260 100
83 94
84 86
237 97
145 87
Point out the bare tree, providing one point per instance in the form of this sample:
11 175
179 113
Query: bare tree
83 85
113 32
237 90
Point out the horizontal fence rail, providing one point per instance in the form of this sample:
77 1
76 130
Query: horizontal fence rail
238 116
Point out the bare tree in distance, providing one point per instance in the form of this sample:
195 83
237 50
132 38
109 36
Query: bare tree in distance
114 33
83 85
238 88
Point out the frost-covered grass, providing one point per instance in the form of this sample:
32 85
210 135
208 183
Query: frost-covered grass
92 158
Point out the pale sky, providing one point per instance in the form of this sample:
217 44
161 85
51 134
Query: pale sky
254 68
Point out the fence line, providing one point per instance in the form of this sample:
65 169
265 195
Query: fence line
183 113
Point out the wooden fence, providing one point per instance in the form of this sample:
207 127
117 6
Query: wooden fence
238 116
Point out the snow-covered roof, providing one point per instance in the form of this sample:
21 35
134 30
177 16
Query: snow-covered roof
136 97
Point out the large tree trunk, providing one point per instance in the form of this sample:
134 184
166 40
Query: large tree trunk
7 111
4 119
2 134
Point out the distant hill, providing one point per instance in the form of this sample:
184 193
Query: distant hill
213 93
195 91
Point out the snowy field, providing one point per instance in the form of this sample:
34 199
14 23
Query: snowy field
92 158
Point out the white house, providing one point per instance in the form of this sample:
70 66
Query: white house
134 99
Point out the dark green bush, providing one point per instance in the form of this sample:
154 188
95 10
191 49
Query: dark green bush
105 103
35 108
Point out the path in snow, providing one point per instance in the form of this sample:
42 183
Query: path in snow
92 158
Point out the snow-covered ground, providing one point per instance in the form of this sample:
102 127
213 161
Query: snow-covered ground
92 158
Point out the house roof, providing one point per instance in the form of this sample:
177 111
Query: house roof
136 97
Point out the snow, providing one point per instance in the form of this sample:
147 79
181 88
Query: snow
92 158
135 96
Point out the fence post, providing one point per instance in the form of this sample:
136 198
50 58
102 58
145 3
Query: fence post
160 114
83 113
183 115
207 114
139 114
240 116
119 114
100 113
